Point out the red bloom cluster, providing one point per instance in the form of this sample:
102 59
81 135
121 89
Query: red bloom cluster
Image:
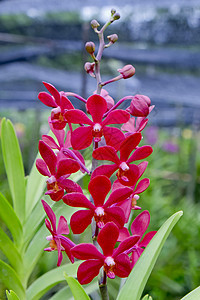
110 205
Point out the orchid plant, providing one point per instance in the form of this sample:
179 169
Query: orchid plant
108 211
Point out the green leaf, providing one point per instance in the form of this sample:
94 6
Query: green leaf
35 188
138 277
14 167
11 295
193 295
44 283
77 290
10 251
11 280
8 216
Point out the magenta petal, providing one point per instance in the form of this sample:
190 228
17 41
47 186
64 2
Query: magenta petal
77 200
47 99
126 244
99 187
55 196
58 244
106 153
54 92
106 170
142 186
62 226
131 176
141 223
81 137
50 142
113 136
126 206
67 246
97 107
116 185
87 251
67 143
123 266
128 145
118 196
116 117
65 103
88 270
129 126
147 238
77 116
115 214
69 185
50 214
67 166
80 220
42 167
123 234
48 156
141 123
140 153
142 167
107 238
135 256
49 227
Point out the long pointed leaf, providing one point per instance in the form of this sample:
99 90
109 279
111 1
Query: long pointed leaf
77 290
11 280
14 167
10 251
193 295
44 283
133 288
8 216
11 295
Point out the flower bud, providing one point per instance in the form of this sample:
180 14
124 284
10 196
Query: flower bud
107 97
139 106
113 11
94 24
113 38
89 68
127 71
90 47
116 16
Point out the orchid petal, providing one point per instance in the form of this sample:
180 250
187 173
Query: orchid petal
69 185
60 256
62 226
67 248
80 220
55 196
48 156
87 251
113 136
53 91
50 214
97 106
106 153
107 238
126 245
67 166
88 270
129 126
115 214
47 99
140 153
106 170
99 187
128 145
77 200
123 234
147 238
81 137
135 256
65 103
131 176
50 142
123 266
142 186
118 195
141 223
117 116
77 116
42 167
142 167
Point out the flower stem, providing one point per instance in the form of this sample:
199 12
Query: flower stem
117 104
103 285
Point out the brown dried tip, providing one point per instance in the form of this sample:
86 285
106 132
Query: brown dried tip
90 47
113 38
94 24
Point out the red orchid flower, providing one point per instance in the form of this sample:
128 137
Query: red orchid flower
113 261
134 125
59 101
57 170
57 240
138 227
127 173
63 146
131 202
96 105
100 210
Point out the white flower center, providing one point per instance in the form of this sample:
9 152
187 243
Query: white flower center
51 179
124 166
136 197
109 261
99 211
56 110
97 127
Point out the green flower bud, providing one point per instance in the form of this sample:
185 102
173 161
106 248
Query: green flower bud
94 24
90 47
113 38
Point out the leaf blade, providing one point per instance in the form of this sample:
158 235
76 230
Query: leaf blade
11 295
76 289
193 295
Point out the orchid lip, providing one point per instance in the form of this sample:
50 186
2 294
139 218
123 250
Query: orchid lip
109 261
124 166
97 127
